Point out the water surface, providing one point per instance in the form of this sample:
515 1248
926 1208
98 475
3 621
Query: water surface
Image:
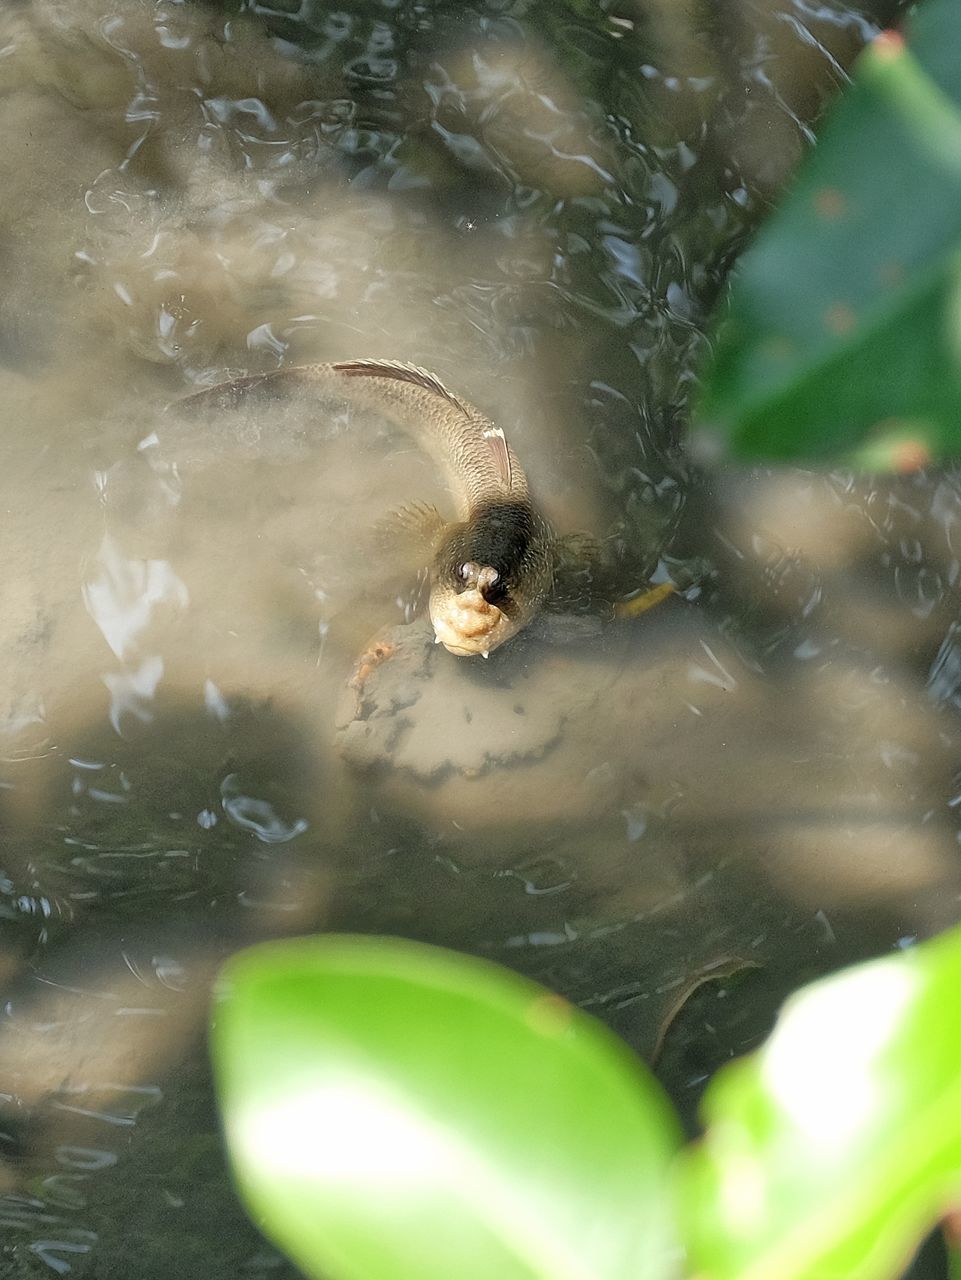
540 202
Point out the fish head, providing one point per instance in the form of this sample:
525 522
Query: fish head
464 612
489 577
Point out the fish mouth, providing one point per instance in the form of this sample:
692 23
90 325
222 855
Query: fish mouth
465 646
468 627
460 652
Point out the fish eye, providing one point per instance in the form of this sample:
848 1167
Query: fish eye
466 571
492 585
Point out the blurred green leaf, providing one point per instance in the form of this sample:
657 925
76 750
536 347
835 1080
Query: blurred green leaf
830 1152
400 1112
845 326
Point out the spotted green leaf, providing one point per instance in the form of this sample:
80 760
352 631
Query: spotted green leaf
844 333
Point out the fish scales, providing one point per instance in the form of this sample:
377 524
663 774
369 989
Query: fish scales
493 567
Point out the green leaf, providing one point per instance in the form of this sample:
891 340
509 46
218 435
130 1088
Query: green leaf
398 1112
831 1151
845 323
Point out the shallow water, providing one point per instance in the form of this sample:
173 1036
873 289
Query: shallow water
751 786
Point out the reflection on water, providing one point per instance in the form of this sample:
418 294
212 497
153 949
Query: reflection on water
674 821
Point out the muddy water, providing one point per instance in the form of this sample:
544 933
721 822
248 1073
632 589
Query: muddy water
673 821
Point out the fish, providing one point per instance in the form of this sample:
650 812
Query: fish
492 567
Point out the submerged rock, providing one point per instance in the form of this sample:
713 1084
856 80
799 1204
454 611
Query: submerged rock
408 705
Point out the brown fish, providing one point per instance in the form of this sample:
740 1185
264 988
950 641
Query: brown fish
493 567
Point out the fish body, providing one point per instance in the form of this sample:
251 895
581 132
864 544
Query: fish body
492 568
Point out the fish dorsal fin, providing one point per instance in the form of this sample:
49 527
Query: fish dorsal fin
402 372
497 443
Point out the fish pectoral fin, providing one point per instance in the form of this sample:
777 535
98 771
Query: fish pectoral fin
420 518
582 574
415 527
575 549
